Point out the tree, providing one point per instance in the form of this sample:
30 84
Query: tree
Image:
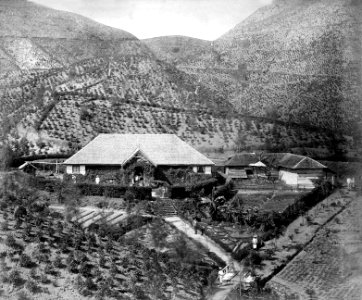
70 195
240 141
14 277
31 286
25 261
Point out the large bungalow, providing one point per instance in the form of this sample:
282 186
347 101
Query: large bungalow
139 156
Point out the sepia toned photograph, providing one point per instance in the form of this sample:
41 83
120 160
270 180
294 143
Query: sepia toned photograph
181 149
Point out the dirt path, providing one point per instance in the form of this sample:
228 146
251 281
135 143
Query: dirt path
224 289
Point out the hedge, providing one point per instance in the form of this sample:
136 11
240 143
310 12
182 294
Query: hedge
206 185
92 189
114 191
178 192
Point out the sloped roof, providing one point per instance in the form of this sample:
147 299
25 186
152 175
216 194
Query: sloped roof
116 149
242 160
284 160
237 174
259 164
293 161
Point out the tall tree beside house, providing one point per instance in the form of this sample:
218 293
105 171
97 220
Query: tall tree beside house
240 141
69 195
6 155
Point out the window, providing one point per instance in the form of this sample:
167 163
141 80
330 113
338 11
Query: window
75 169
200 169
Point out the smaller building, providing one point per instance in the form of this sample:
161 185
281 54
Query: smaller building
300 171
294 170
239 165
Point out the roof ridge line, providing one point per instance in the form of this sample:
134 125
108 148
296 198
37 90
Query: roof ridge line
304 158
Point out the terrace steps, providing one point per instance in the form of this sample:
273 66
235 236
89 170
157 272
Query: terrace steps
164 207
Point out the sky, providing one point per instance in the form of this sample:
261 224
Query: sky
204 19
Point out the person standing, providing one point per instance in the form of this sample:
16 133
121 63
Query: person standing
255 242
195 224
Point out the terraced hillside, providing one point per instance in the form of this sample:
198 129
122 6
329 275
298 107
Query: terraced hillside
330 266
302 61
48 57
297 61
65 78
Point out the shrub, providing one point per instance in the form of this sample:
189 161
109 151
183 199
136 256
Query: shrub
254 259
14 277
58 262
33 273
25 261
44 278
48 269
31 286
129 196
79 282
5 225
114 191
10 241
22 295
102 260
3 205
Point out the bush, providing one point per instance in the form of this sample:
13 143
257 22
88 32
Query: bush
114 191
44 278
22 295
58 262
254 259
129 196
10 241
242 253
5 225
14 277
179 192
31 286
25 261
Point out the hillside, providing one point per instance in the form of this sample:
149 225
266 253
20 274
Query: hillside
65 78
302 61
36 37
179 50
59 68
297 61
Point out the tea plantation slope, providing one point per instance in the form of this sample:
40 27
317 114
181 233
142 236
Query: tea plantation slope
301 60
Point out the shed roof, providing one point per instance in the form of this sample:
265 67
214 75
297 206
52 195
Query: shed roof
284 160
116 149
242 160
293 161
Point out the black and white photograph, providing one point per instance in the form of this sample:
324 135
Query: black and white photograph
181 149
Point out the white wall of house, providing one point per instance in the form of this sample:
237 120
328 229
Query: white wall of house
297 180
208 170
288 177
82 170
70 170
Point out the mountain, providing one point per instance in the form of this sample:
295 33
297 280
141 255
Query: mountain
302 60
297 61
180 50
36 37
65 78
